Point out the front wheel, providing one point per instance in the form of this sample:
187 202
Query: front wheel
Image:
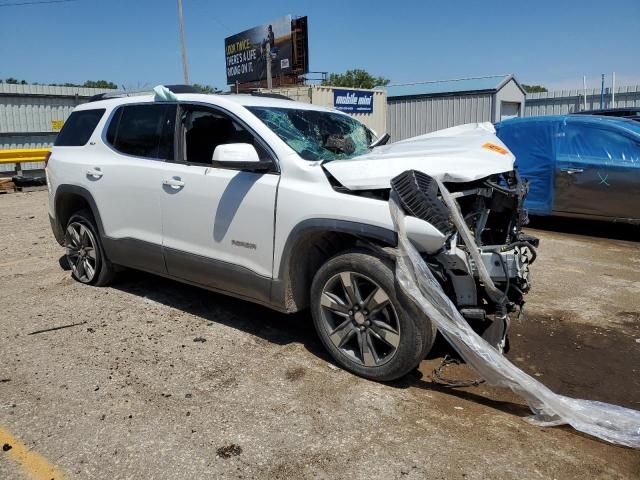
368 326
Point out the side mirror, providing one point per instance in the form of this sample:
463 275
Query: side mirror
239 156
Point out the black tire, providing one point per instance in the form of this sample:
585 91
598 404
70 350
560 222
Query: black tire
414 333
103 271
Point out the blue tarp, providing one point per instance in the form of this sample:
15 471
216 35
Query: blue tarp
594 144
533 144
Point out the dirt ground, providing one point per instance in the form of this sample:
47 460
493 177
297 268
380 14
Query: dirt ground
162 380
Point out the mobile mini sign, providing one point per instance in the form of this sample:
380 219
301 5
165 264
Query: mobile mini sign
353 101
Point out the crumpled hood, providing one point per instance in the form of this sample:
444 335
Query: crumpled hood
457 154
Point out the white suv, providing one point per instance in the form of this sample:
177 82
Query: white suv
286 204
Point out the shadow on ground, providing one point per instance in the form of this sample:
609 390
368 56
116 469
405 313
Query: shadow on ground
275 327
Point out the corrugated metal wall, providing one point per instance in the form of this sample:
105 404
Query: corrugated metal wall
323 96
411 116
568 101
31 115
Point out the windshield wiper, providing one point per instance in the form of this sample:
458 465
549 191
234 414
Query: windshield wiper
383 140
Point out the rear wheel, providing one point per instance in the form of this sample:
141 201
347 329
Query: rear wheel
84 251
366 324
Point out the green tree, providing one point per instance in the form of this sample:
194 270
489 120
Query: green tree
99 84
205 88
88 83
534 88
356 78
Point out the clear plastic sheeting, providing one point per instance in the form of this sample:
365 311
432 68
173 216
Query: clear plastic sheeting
612 423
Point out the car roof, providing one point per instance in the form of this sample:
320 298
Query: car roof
602 120
245 100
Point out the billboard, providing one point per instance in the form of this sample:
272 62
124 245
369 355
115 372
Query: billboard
246 53
353 101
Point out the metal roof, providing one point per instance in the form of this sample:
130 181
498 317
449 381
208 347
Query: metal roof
8 89
491 83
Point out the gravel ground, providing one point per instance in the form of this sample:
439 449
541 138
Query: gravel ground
162 380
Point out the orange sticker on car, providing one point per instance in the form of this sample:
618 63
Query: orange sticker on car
495 148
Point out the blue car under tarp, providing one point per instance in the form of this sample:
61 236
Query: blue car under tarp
603 151
532 142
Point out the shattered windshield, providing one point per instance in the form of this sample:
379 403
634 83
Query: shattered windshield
317 135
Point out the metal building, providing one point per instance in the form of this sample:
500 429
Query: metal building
419 108
32 115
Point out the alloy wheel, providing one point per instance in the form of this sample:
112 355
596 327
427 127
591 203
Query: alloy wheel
360 319
80 249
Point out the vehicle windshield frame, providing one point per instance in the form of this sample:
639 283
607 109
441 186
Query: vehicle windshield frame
315 134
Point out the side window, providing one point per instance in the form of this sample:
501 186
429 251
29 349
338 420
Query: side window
78 128
205 129
144 130
586 142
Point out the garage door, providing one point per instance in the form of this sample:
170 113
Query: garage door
509 110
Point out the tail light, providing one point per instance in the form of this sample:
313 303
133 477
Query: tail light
46 158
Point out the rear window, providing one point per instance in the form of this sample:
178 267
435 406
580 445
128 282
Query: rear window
143 130
78 128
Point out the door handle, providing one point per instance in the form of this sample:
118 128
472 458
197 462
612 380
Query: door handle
95 173
175 182
572 171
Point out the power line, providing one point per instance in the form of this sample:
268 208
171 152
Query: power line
38 2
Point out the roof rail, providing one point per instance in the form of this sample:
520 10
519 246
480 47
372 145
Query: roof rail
133 93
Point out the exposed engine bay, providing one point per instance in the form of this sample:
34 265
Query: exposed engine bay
493 214
492 211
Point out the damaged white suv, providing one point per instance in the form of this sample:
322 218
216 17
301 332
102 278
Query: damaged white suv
286 204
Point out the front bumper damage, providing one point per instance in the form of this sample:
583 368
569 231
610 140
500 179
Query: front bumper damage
483 265
419 277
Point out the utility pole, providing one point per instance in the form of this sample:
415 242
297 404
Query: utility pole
269 78
185 70
613 90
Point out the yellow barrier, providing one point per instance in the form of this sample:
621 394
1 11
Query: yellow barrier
21 155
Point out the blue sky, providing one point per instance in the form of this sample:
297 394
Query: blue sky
135 43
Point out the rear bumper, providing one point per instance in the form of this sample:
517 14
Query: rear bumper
57 230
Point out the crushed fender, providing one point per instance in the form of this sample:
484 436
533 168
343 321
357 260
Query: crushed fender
611 423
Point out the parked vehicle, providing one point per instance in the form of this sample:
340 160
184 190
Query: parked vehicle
284 204
578 165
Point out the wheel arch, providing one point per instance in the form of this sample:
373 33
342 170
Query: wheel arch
68 200
310 244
